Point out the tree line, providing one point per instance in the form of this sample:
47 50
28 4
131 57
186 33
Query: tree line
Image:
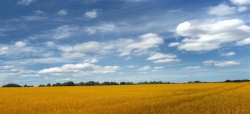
95 83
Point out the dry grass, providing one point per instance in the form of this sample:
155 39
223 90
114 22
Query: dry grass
213 98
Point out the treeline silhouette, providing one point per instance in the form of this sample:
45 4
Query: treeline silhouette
94 83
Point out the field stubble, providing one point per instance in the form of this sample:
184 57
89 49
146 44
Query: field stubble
210 98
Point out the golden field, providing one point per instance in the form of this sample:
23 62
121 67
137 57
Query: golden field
209 98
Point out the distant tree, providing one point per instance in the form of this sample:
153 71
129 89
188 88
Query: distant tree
25 85
69 83
228 81
123 83
92 83
41 85
126 83
197 81
11 85
109 83
48 85
81 84
57 84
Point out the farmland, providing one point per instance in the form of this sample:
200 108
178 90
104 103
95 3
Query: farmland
208 98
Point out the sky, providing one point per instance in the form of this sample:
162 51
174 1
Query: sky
50 41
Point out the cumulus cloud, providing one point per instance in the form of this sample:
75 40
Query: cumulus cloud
21 49
91 14
4 50
243 42
220 63
12 71
209 35
124 47
26 2
61 32
73 55
51 53
192 67
174 44
101 28
81 69
64 31
146 42
222 10
62 12
240 2
144 68
86 47
159 68
64 79
228 54
163 58
242 8
20 44
90 61
131 66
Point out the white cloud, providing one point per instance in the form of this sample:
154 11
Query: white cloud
226 63
228 54
91 14
37 16
34 18
12 71
124 47
131 66
25 2
20 44
174 44
144 68
147 41
61 32
242 8
192 67
240 2
209 35
4 50
65 48
163 58
62 12
73 55
222 10
86 47
41 60
221 63
49 44
101 28
51 70
157 68
243 42
90 61
209 62
21 49
64 79
80 69
64 31
166 61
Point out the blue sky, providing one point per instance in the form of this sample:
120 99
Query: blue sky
53 41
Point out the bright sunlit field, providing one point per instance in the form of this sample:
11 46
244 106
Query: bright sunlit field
210 98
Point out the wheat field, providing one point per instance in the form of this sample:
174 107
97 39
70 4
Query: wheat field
209 98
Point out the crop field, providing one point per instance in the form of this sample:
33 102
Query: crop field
207 98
